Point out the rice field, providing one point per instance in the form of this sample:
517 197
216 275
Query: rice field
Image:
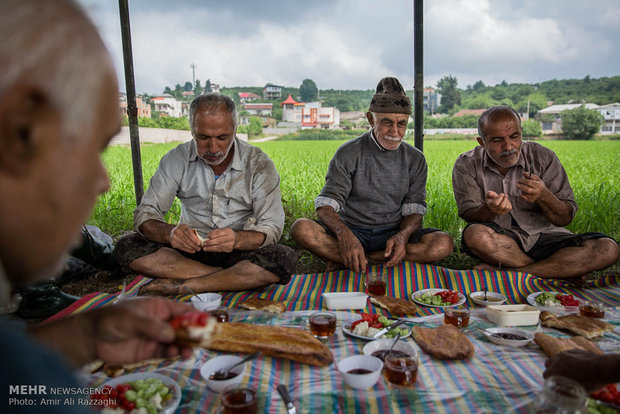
592 167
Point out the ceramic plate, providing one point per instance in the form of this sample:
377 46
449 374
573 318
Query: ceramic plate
169 406
415 295
346 328
509 342
531 299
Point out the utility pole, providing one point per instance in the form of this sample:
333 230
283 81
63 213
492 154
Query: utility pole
193 74
418 72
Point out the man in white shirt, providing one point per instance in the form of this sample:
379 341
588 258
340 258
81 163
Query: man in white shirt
231 213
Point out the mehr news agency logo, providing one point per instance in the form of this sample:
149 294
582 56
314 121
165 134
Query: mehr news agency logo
42 395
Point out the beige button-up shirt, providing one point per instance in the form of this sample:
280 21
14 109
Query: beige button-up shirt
475 173
245 197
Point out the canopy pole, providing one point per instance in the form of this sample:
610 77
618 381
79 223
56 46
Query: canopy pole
418 69
132 109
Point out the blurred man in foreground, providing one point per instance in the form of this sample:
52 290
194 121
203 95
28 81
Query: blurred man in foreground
58 110
516 199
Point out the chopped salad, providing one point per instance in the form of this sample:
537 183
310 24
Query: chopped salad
553 299
443 298
144 396
370 324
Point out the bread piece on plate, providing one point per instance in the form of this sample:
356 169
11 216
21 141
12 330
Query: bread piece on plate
577 324
444 342
551 345
396 306
265 305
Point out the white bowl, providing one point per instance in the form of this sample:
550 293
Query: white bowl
360 381
385 344
206 301
510 342
493 298
345 300
218 363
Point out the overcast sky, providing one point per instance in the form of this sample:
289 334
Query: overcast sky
351 44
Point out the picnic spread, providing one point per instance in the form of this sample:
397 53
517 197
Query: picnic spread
496 378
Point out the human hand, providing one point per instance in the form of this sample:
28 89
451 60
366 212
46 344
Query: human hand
395 247
579 365
351 251
182 237
532 187
498 203
220 240
136 329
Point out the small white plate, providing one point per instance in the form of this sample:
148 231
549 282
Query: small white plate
414 296
170 405
509 342
478 298
531 299
346 328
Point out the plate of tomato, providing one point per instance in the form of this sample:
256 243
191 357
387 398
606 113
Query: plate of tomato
440 298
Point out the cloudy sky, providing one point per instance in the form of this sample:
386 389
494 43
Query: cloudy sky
351 44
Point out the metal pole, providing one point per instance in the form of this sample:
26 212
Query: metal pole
418 69
132 109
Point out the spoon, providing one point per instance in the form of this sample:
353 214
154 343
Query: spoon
223 373
193 293
393 344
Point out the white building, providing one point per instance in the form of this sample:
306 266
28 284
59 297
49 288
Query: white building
611 113
310 114
168 105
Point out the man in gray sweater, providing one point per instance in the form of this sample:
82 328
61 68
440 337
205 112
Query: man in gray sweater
371 207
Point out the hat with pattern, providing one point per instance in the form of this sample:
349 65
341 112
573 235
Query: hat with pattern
390 98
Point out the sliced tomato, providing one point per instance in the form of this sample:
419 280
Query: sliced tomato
194 318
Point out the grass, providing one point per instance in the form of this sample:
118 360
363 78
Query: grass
591 166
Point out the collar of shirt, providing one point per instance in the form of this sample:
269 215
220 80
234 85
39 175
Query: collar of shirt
236 162
374 139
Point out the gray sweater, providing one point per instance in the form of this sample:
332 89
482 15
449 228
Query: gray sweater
371 187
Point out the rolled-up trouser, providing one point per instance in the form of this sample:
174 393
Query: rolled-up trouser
275 258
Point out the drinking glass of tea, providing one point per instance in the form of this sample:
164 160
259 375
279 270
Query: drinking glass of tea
376 283
322 324
458 317
239 399
401 370
592 309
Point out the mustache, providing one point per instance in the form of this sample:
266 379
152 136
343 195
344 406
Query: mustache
507 153
389 138
213 154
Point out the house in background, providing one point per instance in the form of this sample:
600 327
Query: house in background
611 113
167 105
215 88
247 97
431 99
272 92
553 124
309 115
464 112
262 110
144 109
188 94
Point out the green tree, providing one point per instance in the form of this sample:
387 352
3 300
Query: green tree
198 88
147 122
308 90
450 96
188 86
581 123
255 127
276 113
208 86
531 128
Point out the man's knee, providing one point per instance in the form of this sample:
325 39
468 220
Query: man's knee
479 237
300 229
439 245
606 248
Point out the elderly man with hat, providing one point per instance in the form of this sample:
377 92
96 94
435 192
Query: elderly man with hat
371 207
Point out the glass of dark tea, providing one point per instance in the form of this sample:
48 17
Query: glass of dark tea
401 370
458 317
322 324
376 283
592 309
238 399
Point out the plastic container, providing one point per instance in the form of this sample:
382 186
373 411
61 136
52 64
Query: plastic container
345 300
513 315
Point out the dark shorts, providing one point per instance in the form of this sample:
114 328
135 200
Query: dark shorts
373 239
545 246
275 258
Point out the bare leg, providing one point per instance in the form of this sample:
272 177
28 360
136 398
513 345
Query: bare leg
433 247
595 254
493 248
168 263
243 275
313 237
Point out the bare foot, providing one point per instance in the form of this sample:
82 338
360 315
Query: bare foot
162 287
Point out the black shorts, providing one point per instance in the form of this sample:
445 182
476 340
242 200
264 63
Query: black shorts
275 258
545 246
373 239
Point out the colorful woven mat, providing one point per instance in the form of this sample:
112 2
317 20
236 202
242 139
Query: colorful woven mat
304 291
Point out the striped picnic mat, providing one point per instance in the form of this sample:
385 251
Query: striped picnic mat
303 292
496 379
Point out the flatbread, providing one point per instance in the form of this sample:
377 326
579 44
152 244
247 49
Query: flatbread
116 370
265 305
396 306
551 345
577 324
444 342
202 239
